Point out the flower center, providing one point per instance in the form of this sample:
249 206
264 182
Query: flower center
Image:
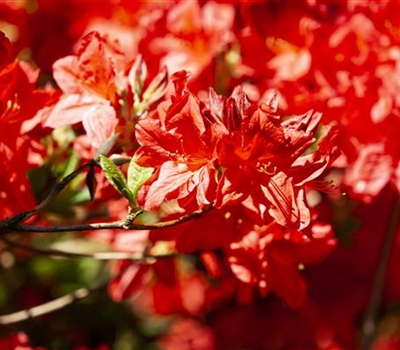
268 168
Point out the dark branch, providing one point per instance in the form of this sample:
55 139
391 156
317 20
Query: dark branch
48 307
10 223
374 302
117 225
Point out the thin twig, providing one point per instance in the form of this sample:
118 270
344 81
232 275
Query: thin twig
22 217
104 256
51 306
374 302
117 225
70 228
46 308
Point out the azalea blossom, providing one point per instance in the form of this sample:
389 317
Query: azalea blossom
20 132
103 90
270 152
197 150
266 257
88 81
196 34
178 140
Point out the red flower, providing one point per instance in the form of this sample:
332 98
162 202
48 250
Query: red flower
103 90
179 140
195 35
196 149
269 152
187 334
20 133
88 81
269 257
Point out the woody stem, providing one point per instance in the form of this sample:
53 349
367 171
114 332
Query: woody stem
24 216
374 302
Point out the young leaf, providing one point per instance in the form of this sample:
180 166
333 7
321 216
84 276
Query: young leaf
137 175
115 177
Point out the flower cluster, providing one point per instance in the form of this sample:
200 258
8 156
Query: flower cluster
239 161
202 152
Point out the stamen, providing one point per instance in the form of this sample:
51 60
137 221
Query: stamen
13 106
267 168
180 156
183 157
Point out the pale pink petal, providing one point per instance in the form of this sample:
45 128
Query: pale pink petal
291 65
381 109
99 122
66 73
70 110
370 173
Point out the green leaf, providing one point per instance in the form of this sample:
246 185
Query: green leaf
137 175
115 177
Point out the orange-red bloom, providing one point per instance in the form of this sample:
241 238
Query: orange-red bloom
263 156
243 150
20 131
179 140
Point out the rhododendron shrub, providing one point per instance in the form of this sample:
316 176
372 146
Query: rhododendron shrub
204 174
